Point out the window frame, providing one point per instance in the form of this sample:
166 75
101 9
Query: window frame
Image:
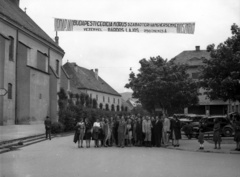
57 66
11 49
10 86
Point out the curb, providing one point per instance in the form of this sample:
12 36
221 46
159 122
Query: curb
203 151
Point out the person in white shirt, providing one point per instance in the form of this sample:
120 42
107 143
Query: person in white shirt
96 128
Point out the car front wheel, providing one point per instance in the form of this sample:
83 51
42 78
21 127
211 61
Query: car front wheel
227 131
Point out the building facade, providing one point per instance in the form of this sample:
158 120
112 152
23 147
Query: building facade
194 59
30 68
87 81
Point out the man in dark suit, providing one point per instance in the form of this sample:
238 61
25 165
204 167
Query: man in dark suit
153 134
157 131
48 126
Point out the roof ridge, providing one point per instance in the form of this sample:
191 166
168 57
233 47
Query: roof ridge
83 79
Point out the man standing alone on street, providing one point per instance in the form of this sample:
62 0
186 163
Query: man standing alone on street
48 125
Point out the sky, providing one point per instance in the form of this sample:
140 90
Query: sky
114 53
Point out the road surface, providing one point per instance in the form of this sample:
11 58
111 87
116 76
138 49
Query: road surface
60 157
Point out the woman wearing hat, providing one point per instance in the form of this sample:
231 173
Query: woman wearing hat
217 134
88 133
176 131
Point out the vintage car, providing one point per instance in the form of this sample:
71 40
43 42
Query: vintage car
207 124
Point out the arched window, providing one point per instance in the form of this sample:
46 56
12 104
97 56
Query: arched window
106 107
9 91
100 106
118 108
126 109
112 108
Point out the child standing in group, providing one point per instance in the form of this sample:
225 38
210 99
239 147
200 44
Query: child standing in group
201 138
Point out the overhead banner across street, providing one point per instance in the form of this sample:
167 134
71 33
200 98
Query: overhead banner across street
107 26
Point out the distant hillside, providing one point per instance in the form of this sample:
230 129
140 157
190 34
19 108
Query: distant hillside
126 95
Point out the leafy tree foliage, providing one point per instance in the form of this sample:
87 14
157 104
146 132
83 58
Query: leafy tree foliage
221 74
163 84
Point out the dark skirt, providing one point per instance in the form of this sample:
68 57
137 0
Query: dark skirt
177 133
88 135
95 135
237 136
101 134
201 138
217 136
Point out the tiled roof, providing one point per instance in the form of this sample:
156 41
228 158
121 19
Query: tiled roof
13 13
185 57
85 79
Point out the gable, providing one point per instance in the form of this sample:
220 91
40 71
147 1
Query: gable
11 12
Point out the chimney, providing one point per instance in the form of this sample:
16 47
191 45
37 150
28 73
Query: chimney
56 39
197 48
96 73
16 2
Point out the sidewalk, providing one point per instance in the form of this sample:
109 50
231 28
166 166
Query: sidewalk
193 145
12 132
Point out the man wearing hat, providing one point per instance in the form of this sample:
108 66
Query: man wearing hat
48 125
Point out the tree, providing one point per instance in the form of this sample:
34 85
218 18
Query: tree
62 102
221 73
94 103
87 100
139 110
163 84
82 98
77 98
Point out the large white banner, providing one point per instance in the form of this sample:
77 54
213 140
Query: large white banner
106 26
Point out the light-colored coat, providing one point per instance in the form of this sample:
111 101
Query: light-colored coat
147 126
166 125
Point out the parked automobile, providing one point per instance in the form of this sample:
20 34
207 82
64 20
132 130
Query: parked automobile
226 125
190 124
190 128
193 117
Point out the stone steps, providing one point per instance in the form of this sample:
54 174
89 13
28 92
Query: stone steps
21 142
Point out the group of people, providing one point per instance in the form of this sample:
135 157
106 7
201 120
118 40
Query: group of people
121 131
140 131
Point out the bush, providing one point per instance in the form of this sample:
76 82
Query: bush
57 127
68 117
